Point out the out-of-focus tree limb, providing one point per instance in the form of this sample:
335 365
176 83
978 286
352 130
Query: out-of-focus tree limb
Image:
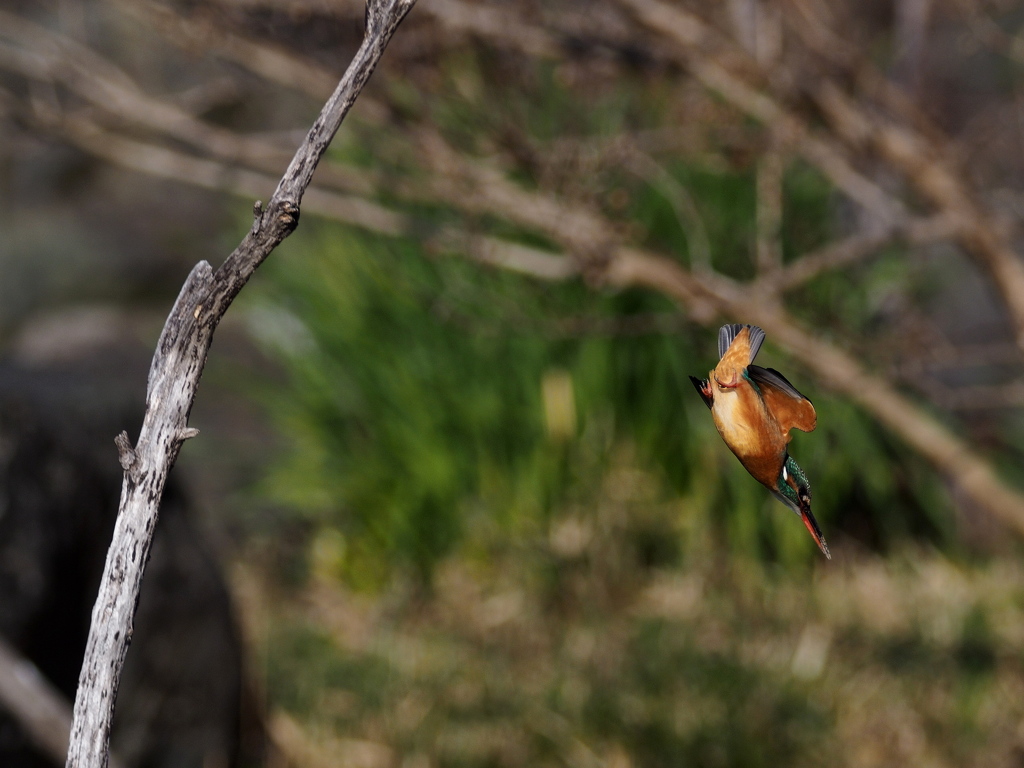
977 398
41 54
272 64
926 168
499 25
496 25
503 29
914 155
768 216
491 192
713 60
647 168
40 709
596 249
703 297
177 166
842 253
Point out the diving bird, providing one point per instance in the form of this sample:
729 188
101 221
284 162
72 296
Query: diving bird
754 409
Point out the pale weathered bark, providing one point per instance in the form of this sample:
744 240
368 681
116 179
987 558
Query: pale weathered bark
173 378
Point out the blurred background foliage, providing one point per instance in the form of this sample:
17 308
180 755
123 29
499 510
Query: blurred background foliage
423 393
492 523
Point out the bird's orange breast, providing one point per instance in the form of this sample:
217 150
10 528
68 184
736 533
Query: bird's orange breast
749 430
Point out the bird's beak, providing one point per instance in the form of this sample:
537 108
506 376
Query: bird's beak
812 526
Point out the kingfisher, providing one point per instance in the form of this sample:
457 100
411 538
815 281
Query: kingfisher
754 409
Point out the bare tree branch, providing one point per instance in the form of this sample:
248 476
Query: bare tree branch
928 170
45 54
647 168
976 398
166 163
506 30
272 64
842 253
42 54
911 30
173 378
923 163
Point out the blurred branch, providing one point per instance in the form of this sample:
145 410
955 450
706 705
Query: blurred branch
476 187
641 324
908 151
492 24
595 246
987 33
912 153
647 168
40 709
272 64
937 356
173 378
925 167
34 703
347 209
222 175
768 216
596 250
691 34
505 30
50 57
113 91
843 253
911 31
977 397
452 173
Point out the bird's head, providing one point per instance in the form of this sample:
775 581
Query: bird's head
795 490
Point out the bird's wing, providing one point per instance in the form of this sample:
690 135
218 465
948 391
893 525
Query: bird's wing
703 390
727 333
790 408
